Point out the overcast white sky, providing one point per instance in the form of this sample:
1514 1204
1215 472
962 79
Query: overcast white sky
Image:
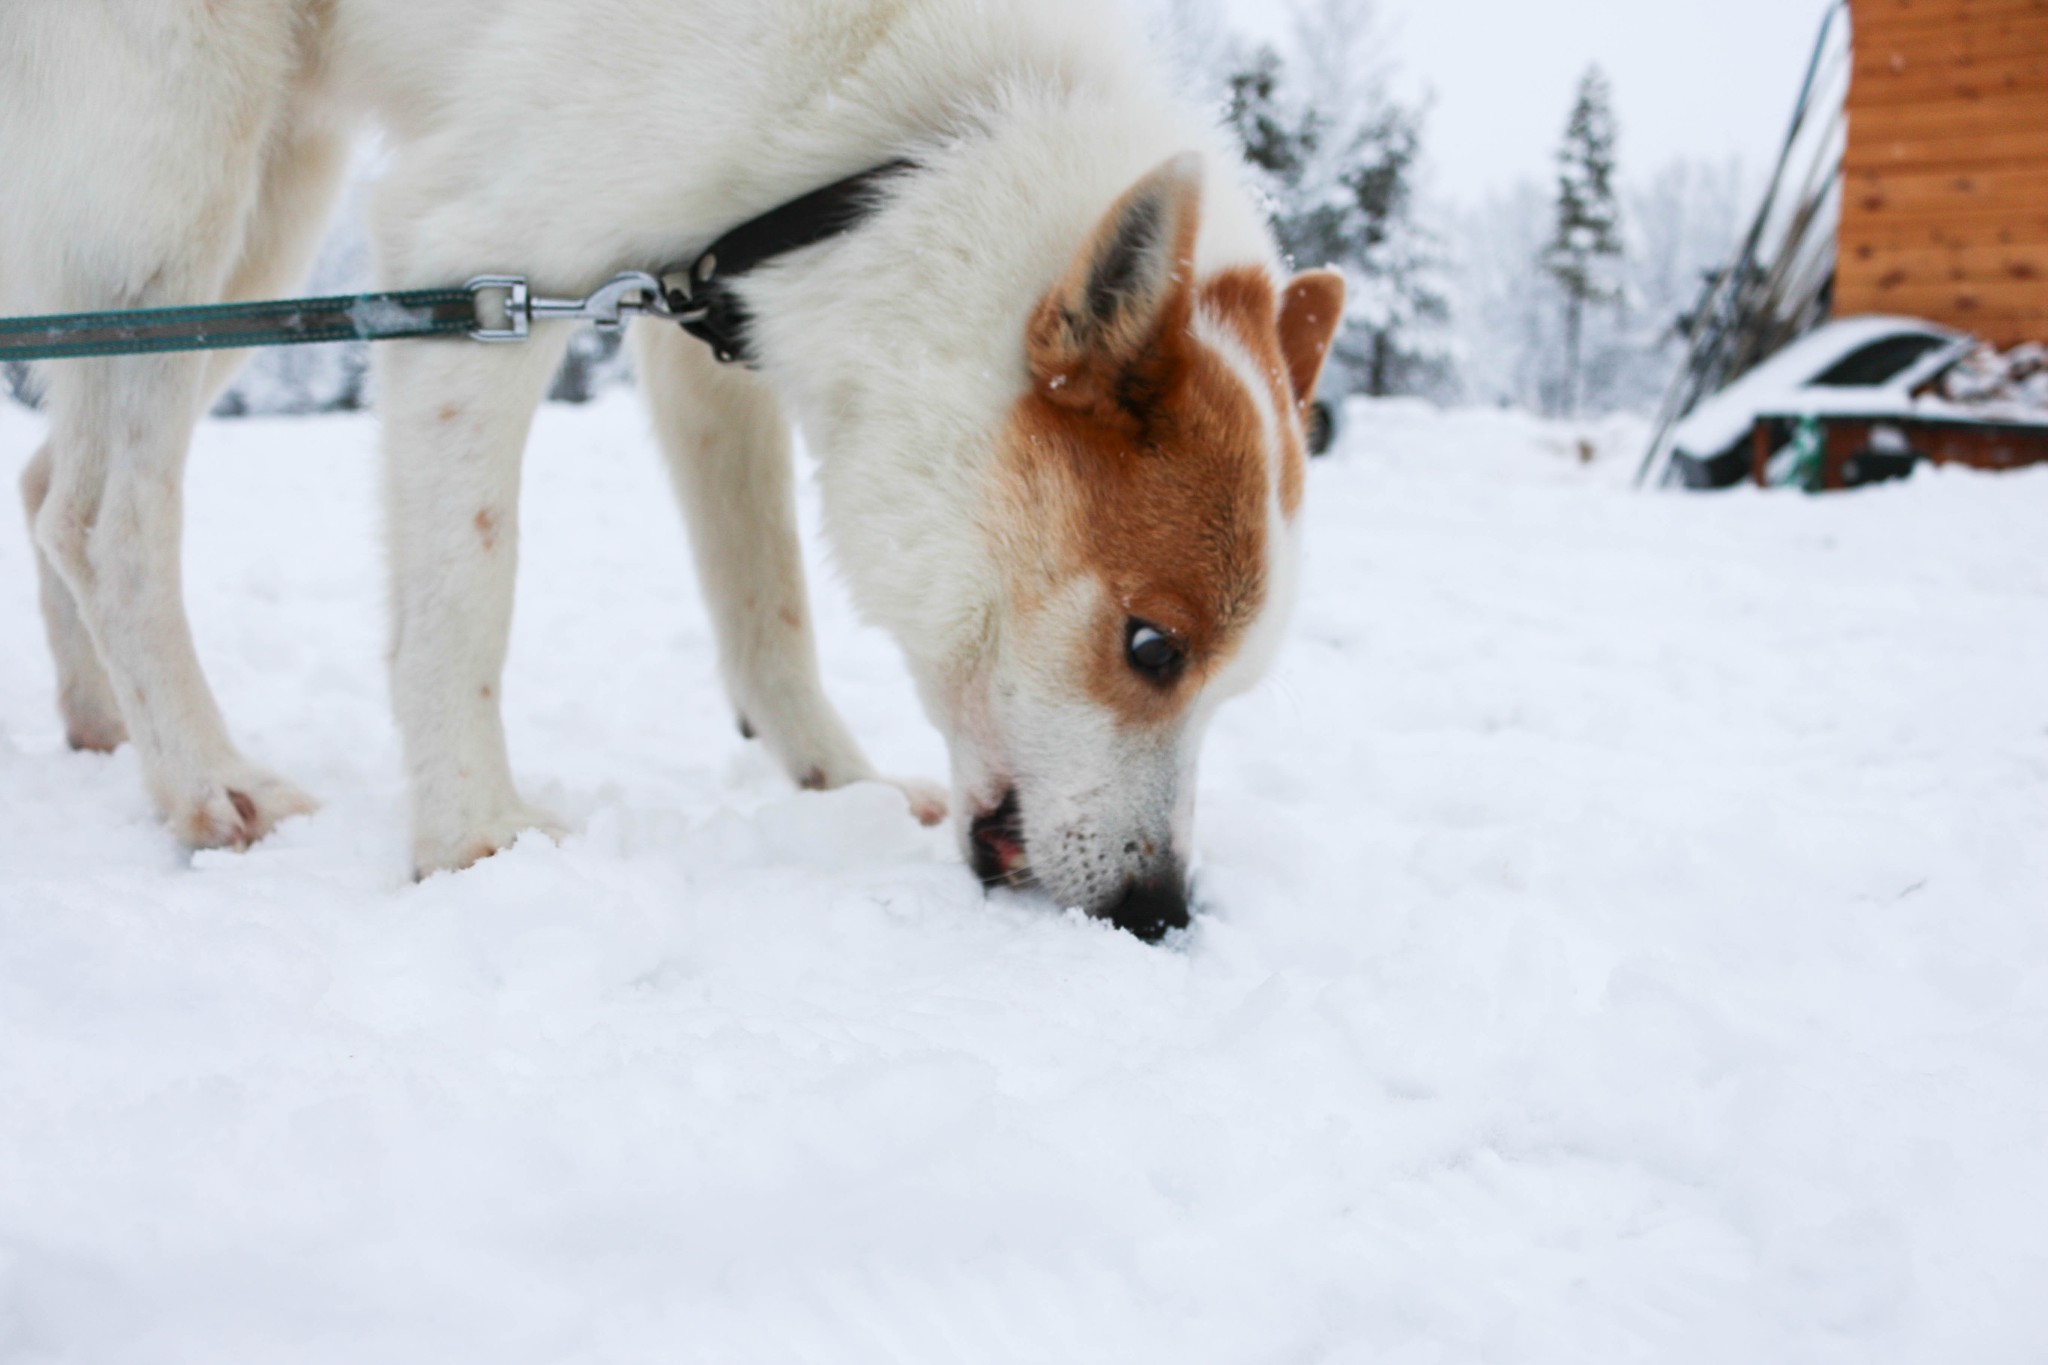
1709 78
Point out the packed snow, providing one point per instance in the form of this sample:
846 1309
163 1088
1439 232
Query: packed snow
1625 921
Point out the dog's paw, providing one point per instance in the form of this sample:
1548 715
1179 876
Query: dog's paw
92 723
929 801
235 809
453 850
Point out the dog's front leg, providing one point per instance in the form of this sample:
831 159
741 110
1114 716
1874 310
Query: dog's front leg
728 451
456 418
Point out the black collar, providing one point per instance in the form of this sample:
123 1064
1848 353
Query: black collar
703 288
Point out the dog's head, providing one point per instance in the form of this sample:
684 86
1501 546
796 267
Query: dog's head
1143 540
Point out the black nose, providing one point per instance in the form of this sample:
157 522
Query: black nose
1151 907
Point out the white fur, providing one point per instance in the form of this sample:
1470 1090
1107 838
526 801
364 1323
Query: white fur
181 151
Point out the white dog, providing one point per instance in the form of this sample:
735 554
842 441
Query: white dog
1055 379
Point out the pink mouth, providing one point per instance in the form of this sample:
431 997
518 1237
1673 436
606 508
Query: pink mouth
996 840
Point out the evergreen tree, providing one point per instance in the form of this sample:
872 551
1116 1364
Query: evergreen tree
1682 223
1585 251
1398 304
20 384
1276 140
1338 168
591 362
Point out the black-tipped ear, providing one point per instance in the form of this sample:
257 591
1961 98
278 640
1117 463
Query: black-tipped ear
1130 280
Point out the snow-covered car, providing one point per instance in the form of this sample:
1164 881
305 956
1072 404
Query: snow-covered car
1865 365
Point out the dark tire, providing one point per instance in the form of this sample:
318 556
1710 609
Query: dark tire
1322 427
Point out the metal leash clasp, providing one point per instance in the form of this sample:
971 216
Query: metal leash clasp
634 293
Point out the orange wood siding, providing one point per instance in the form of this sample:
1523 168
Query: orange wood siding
1945 183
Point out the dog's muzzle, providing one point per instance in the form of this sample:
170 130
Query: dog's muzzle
1150 905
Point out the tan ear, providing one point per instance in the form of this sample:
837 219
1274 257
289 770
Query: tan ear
1310 311
1131 282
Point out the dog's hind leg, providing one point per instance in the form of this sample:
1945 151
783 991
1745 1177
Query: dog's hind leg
302 172
110 519
728 451
85 698
112 524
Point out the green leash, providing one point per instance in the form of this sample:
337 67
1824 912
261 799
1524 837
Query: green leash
486 308
232 326
696 296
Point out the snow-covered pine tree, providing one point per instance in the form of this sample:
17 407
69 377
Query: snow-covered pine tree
1505 310
1585 255
1398 305
1277 140
593 361
20 384
1680 224
1336 155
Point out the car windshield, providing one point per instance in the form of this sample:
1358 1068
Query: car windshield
1877 363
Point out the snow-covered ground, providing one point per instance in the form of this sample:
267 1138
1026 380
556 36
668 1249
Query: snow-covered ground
1626 940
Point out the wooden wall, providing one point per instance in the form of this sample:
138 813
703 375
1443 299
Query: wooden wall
1945 193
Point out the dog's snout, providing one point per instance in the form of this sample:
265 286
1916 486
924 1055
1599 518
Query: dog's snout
1145 891
1150 907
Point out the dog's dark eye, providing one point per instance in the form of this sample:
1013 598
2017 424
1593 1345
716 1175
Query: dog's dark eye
1151 651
